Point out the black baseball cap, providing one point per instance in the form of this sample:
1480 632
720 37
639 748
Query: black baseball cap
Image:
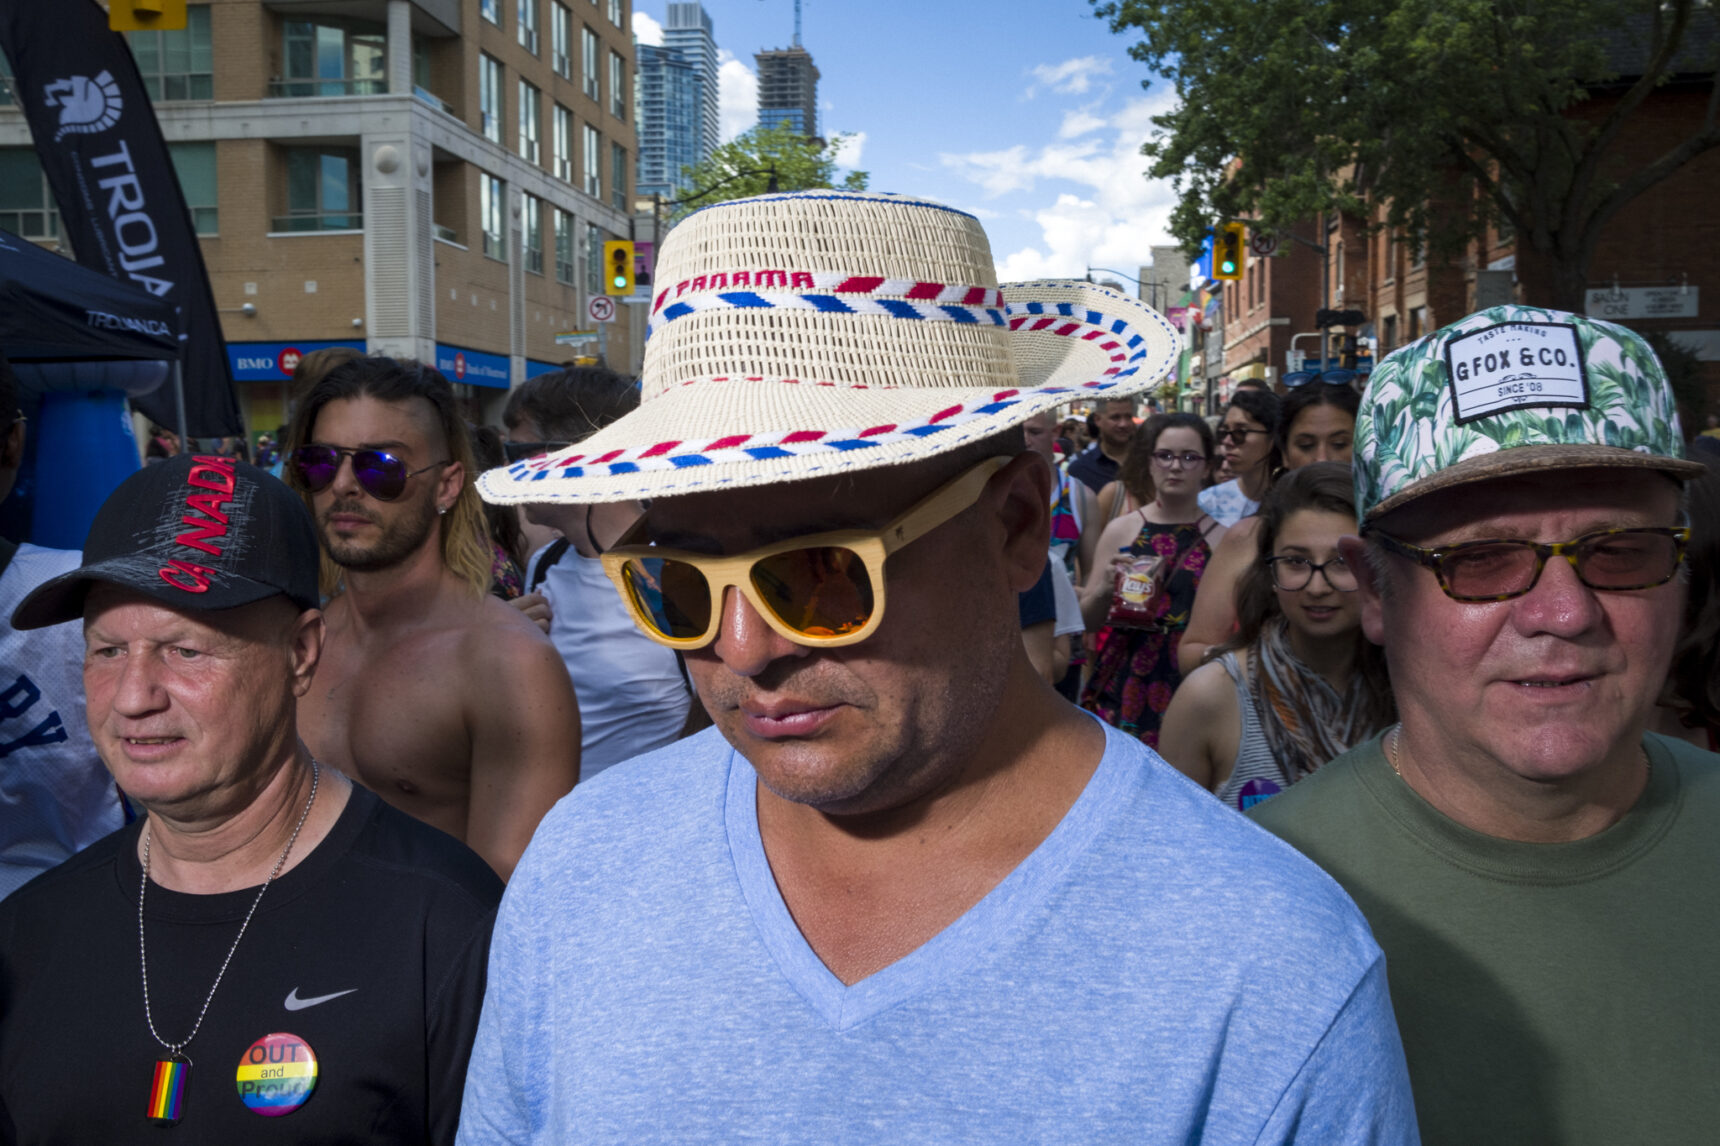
194 532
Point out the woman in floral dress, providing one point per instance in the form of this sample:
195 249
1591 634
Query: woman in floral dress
1135 671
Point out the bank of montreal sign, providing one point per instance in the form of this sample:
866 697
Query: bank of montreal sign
273 361
473 367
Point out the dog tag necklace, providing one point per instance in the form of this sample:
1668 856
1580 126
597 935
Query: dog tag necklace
167 1085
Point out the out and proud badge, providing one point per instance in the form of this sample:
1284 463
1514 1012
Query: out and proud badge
277 1073
1514 365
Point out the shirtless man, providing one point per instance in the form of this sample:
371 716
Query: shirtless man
448 703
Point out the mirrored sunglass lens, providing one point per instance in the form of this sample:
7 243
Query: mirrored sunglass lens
382 475
1627 560
823 592
672 596
1490 570
316 465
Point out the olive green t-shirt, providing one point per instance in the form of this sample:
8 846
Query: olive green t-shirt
1546 993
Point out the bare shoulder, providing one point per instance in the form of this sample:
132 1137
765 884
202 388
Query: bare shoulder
495 636
1207 691
1241 535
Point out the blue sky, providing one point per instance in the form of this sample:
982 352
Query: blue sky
1029 115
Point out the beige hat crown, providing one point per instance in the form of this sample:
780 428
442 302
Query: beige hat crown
803 334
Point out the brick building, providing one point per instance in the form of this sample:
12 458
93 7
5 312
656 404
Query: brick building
423 178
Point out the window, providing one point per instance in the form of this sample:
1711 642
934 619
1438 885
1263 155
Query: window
342 59
194 163
1388 335
562 141
26 205
491 10
531 232
593 158
178 64
324 191
618 175
593 259
618 85
531 113
615 12
588 59
561 40
490 97
492 214
529 25
7 99
1391 256
1417 322
564 270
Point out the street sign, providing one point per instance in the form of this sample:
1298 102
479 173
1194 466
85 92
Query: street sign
601 308
1262 244
575 337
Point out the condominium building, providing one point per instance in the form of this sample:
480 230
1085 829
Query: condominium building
671 94
788 89
689 31
423 178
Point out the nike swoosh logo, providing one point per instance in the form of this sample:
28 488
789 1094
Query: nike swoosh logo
294 1003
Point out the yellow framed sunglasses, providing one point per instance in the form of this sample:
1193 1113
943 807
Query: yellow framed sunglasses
823 590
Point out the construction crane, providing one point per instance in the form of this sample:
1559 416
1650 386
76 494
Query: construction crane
797 23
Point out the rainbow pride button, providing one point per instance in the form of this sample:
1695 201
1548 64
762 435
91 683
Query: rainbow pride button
277 1074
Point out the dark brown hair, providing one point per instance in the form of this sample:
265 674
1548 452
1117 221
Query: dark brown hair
1136 472
1324 486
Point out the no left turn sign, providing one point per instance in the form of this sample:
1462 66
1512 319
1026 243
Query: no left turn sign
601 308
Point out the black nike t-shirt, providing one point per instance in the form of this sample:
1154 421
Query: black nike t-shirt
369 957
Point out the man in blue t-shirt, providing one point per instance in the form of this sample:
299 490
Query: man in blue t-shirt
902 892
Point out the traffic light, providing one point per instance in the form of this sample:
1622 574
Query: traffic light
618 267
146 15
1230 251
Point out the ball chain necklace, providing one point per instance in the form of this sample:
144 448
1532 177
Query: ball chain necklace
167 1088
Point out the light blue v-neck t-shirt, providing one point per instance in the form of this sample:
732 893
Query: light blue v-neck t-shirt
1157 970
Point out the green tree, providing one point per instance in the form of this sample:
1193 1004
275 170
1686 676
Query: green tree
742 166
1451 113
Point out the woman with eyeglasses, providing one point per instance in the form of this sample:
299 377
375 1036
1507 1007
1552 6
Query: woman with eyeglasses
1248 443
1316 422
1156 554
1299 684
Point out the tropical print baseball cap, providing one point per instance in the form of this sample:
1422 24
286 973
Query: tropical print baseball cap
1512 389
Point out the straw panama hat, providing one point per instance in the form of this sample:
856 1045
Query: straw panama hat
798 335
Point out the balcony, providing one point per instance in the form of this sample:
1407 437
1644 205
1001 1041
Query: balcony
321 88
307 224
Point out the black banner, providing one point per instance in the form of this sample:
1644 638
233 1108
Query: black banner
120 203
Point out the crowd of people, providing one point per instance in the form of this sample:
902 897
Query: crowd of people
828 738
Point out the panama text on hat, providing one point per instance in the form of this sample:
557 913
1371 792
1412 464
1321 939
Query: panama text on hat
193 532
798 335
1512 389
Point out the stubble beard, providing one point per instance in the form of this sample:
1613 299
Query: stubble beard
400 538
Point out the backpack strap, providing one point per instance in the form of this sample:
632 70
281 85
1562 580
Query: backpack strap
553 553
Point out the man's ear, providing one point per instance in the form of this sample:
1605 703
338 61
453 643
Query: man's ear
1024 507
1369 583
305 643
12 447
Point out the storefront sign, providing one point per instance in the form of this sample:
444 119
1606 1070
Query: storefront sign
473 367
1641 302
273 361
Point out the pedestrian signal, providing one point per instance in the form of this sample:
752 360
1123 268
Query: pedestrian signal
1230 251
146 15
618 267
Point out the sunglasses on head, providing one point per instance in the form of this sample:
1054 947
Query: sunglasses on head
824 590
380 474
1337 377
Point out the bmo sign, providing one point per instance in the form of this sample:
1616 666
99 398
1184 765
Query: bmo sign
273 361
473 367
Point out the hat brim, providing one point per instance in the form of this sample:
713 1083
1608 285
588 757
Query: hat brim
1535 459
61 599
1069 342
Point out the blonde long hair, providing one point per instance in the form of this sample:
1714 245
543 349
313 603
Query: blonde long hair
466 547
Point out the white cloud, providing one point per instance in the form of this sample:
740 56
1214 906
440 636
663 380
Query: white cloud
1111 217
1071 77
737 95
848 155
646 30
1079 123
